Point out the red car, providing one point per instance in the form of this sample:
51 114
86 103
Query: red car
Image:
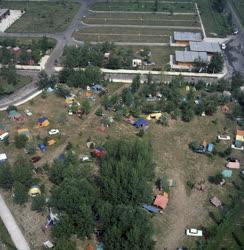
35 159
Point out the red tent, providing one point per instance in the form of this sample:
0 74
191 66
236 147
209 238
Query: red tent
161 200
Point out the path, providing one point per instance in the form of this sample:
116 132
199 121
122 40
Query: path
12 227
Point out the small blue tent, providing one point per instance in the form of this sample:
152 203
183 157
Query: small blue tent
227 173
141 123
42 147
42 119
210 148
151 209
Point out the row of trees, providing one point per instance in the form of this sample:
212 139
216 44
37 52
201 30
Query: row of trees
108 203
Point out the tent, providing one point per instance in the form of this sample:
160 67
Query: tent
151 209
99 152
51 142
90 247
3 157
154 116
161 200
42 147
15 116
141 123
100 246
42 122
233 165
210 148
227 173
34 191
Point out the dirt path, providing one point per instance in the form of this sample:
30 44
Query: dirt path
12 227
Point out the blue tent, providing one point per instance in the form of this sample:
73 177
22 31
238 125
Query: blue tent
61 157
42 147
227 173
150 208
42 119
210 147
100 246
141 123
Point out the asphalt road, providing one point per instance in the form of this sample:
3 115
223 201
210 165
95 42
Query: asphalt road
235 47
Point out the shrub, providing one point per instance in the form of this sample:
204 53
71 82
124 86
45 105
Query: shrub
190 184
38 203
20 193
20 140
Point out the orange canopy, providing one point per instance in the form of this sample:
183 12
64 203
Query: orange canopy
161 200
240 132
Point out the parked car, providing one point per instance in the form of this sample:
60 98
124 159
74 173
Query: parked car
53 132
35 159
224 137
223 46
194 232
238 148
84 158
28 112
4 136
235 31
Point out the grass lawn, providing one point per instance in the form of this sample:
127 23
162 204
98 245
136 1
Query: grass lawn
239 8
143 6
5 238
215 23
42 16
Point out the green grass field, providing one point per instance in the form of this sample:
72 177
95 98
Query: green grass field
42 16
144 6
239 8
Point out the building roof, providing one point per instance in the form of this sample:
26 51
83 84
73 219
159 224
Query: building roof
187 36
150 208
205 46
3 157
190 56
233 165
215 201
161 200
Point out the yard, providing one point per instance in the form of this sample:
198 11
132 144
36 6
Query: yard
42 16
239 8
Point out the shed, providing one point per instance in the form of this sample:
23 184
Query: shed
161 200
227 173
141 123
233 165
215 201
151 209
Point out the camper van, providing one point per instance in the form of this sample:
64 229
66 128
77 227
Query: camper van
4 136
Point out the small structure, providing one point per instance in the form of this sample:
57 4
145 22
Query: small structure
227 173
215 201
130 120
208 47
233 165
15 116
210 148
97 89
183 39
99 152
3 157
48 244
161 200
141 123
69 100
42 122
150 208
225 109
136 63
154 116
51 142
100 246
34 191
42 147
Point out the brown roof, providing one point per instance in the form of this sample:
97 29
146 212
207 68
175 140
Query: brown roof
161 200
215 201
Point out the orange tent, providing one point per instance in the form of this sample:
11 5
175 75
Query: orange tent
90 247
161 200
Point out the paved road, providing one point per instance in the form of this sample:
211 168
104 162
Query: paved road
12 227
235 47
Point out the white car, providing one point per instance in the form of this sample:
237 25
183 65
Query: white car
70 112
236 31
84 158
28 112
194 232
53 132
224 137
223 46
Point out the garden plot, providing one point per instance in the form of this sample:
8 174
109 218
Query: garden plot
142 19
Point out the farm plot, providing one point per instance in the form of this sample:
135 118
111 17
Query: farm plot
148 6
142 19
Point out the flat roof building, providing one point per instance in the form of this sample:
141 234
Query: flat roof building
205 47
183 38
190 56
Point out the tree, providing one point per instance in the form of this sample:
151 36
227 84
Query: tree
22 171
30 148
210 105
43 80
38 203
20 140
187 112
164 120
135 84
218 5
86 106
99 112
216 64
237 81
6 177
64 244
20 193
155 5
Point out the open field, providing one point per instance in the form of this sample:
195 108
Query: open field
239 8
119 34
144 6
42 16
143 19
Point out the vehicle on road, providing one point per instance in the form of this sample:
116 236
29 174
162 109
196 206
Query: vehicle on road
4 136
194 232
235 31
53 132
223 46
35 159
